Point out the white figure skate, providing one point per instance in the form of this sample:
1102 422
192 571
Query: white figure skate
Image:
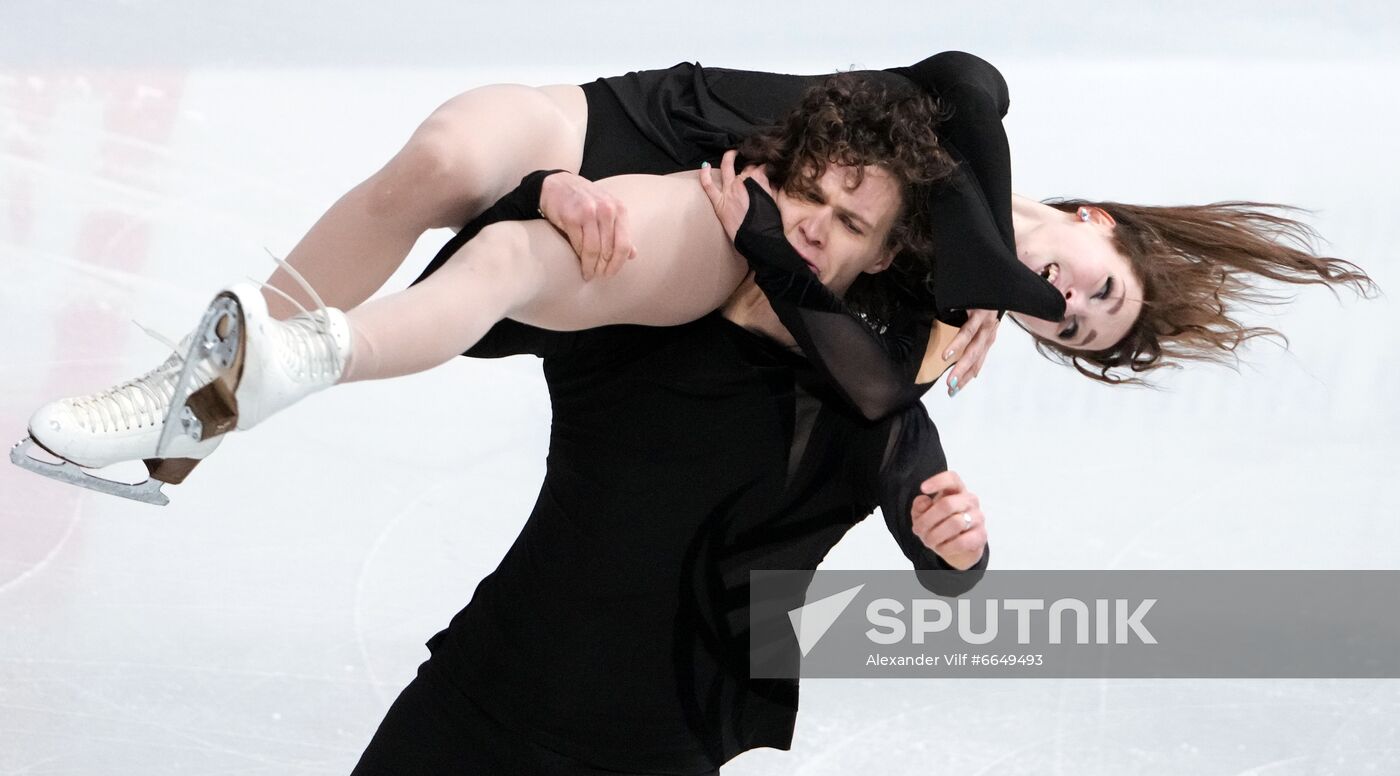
264 365
238 367
120 424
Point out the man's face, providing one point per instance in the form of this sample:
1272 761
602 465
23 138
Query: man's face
841 227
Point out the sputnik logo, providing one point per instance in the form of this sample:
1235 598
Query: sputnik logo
811 621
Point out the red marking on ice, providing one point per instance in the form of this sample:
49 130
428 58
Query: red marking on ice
38 513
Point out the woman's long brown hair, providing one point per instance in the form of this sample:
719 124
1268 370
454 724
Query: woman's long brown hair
1198 264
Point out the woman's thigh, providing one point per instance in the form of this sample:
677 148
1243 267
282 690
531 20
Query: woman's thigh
684 268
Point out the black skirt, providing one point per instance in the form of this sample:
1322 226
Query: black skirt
613 144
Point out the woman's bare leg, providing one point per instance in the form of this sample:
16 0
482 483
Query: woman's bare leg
525 270
466 155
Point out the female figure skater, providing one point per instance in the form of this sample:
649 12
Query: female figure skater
1096 279
852 152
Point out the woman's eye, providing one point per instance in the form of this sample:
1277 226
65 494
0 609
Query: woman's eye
1070 331
1107 289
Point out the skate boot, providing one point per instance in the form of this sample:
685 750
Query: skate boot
260 365
236 368
122 423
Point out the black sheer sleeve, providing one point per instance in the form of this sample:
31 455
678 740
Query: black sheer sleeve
913 453
874 374
975 268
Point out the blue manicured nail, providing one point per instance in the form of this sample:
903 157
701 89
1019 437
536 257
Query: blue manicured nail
704 165
953 383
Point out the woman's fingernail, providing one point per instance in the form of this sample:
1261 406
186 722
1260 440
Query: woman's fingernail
947 355
953 383
704 165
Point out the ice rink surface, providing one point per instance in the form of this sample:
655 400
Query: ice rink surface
263 622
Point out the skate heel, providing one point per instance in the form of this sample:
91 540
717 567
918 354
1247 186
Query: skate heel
171 470
216 409
212 409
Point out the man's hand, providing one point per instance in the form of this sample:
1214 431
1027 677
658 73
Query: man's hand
593 219
948 519
976 337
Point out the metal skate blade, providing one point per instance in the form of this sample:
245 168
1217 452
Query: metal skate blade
205 343
147 492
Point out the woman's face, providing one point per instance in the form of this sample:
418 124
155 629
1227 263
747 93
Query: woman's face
841 228
1102 294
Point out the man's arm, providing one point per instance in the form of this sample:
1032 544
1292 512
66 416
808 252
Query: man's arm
913 455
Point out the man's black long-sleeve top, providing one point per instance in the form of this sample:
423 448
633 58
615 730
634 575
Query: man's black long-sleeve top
680 459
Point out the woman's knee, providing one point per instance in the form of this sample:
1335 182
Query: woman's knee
443 173
505 256
426 178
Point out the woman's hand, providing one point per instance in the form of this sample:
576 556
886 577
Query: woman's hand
975 338
730 199
594 220
948 519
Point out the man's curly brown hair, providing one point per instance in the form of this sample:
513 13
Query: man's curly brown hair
854 120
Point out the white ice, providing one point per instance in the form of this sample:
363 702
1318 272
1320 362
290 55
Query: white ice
263 622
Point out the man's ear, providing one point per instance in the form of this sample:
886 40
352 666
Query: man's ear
882 263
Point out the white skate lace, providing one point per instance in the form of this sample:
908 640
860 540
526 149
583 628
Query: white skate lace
139 402
310 350
307 352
